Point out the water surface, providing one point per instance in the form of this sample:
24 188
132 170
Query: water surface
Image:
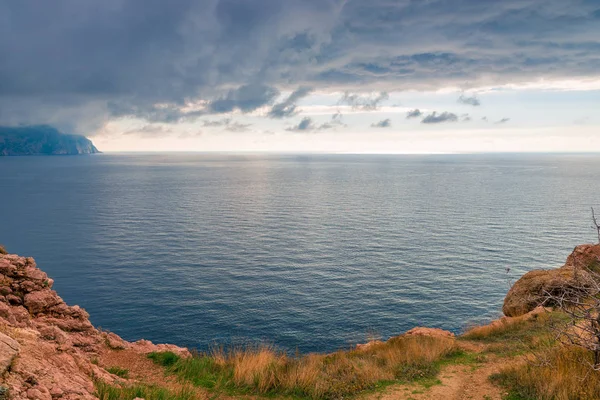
306 251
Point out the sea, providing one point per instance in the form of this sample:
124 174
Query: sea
304 252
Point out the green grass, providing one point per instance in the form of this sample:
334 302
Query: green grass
516 391
519 337
118 371
165 358
105 391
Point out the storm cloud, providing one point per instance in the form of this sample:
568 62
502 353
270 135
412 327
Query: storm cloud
180 60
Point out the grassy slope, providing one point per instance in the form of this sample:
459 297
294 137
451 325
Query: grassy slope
534 366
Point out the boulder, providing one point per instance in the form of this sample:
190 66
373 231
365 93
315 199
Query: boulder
433 332
532 289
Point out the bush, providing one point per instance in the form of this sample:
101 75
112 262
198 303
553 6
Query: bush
3 251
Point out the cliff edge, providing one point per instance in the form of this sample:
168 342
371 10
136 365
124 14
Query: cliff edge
42 140
48 349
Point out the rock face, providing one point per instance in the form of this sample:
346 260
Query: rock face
47 347
529 291
42 140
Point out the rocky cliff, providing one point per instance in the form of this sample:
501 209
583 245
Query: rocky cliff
48 349
531 290
42 140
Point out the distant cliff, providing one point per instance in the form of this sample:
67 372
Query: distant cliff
42 140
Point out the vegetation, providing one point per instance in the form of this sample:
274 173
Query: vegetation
562 373
514 336
266 371
105 391
118 371
546 369
3 250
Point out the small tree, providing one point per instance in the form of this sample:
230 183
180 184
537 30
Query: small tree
579 298
596 226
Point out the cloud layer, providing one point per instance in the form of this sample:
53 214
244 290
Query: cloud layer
87 61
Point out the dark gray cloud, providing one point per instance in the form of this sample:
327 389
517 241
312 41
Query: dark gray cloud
435 118
306 124
287 108
503 121
471 101
386 123
416 113
246 98
369 102
150 58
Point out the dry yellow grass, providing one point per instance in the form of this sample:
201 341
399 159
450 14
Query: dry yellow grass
264 370
562 373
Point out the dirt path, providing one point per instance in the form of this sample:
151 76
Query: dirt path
458 382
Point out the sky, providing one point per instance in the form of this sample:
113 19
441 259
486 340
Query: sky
339 76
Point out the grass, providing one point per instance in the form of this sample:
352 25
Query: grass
514 336
118 371
263 370
105 391
3 250
563 373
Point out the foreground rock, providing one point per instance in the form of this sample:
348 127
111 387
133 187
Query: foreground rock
417 331
48 350
531 290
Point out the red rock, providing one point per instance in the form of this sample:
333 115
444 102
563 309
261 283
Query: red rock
56 342
433 332
9 349
38 302
530 291
12 299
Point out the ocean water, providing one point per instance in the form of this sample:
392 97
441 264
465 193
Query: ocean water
308 252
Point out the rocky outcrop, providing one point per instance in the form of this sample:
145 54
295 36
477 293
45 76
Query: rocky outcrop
416 331
48 348
533 288
432 332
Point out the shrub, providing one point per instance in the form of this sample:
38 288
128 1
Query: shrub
3 251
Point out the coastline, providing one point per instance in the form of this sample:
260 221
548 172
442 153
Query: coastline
51 350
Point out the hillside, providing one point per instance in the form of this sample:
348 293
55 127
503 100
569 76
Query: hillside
42 140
